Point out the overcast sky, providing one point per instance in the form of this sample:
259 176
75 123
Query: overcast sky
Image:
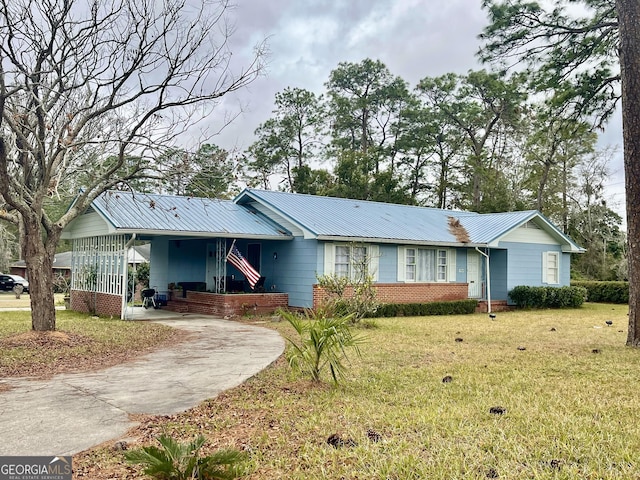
413 38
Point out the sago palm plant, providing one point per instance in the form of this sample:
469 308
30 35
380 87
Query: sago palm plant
181 461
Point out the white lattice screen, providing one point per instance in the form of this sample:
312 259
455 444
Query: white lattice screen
98 264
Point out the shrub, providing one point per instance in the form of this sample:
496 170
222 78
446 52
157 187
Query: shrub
181 461
458 307
322 342
605 292
356 298
548 297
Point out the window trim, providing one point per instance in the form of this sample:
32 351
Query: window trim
546 261
448 267
330 258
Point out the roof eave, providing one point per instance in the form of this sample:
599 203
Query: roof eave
181 233
397 241
185 234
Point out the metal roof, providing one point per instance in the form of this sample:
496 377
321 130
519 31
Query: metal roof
341 217
170 214
330 217
487 227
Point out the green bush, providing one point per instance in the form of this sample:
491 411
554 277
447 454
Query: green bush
548 297
346 297
457 307
322 342
605 292
182 461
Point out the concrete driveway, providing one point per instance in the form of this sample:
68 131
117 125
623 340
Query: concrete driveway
72 412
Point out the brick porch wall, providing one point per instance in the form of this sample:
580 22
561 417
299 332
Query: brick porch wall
228 304
407 292
106 304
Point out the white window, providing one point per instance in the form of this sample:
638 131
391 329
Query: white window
354 261
342 261
442 265
410 265
424 264
551 268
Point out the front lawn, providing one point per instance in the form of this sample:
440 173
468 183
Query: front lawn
80 343
563 385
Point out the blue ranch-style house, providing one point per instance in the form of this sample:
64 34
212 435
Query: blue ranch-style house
414 254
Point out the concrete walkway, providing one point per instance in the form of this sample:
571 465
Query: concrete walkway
72 412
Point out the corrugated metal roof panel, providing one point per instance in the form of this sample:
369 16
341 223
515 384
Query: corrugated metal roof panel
341 217
486 227
359 219
170 213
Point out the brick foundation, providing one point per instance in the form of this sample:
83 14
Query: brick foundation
105 303
228 304
407 292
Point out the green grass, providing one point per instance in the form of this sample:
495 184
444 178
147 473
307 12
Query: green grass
570 413
81 342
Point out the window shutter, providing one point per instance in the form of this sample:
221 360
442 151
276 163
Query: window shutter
401 264
544 267
452 253
329 259
374 261
558 270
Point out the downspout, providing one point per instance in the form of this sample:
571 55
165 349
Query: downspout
125 275
488 279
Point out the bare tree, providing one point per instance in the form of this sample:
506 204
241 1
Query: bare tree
90 92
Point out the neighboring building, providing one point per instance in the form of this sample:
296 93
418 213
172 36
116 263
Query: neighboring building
415 254
61 266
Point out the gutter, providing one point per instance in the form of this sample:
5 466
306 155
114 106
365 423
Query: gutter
191 234
398 241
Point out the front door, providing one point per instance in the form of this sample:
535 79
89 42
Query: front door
473 274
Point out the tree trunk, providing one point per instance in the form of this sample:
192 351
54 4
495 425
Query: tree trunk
541 186
629 24
38 252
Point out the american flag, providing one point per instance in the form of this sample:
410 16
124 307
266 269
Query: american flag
235 258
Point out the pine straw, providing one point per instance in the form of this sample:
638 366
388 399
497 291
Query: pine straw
457 230
82 344
56 339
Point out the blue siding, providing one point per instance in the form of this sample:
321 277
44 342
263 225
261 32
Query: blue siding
187 261
525 264
294 271
499 268
388 263
565 269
